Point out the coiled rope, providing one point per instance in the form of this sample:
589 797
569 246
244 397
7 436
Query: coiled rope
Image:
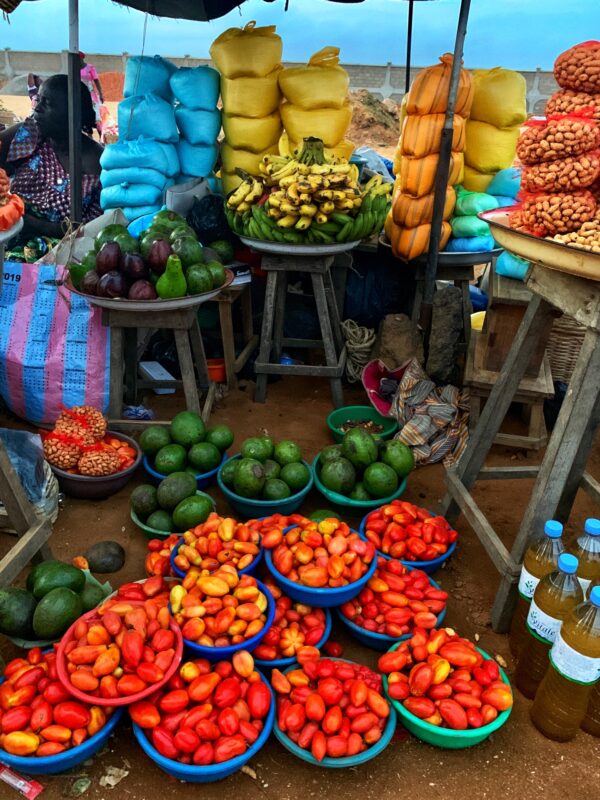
359 344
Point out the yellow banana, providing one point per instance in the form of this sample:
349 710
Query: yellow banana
383 188
255 192
344 205
321 218
324 194
342 169
243 206
303 169
288 169
292 192
306 197
357 202
305 187
353 173
287 181
239 194
327 208
372 183
288 208
275 199
320 169
339 195
274 212
303 223
288 221
308 210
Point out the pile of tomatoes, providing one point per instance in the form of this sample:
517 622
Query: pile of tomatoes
216 542
403 530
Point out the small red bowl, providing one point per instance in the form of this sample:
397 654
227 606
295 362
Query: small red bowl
63 675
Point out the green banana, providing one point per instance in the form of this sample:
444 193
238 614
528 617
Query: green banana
342 235
327 227
324 238
340 218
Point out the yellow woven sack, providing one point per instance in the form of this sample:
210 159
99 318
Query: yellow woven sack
328 124
475 181
255 135
499 97
322 83
243 159
230 181
247 51
409 212
343 149
417 175
490 149
429 91
251 97
422 133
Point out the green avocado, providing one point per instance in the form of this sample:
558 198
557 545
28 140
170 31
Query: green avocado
189 250
153 438
55 612
16 612
108 234
249 478
169 459
173 489
56 574
192 511
187 428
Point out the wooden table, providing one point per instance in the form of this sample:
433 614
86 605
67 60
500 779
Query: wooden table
225 301
562 471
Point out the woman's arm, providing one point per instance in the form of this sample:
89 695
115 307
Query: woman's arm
34 226
6 138
99 88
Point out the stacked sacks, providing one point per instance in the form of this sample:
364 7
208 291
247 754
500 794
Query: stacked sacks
138 169
409 226
198 119
249 60
315 103
498 111
469 233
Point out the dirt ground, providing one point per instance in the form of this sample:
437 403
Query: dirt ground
515 762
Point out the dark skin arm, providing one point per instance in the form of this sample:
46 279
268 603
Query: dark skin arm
99 88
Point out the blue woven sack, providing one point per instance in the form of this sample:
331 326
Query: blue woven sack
145 74
198 127
112 177
141 153
149 116
197 160
196 87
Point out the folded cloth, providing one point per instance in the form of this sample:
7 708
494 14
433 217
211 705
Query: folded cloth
433 421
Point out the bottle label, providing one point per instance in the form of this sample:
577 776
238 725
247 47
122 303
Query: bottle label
573 665
527 583
541 624
585 583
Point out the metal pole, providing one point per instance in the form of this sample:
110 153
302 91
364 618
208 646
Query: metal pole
443 169
409 42
74 113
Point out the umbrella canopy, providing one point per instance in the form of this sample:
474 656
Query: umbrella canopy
202 10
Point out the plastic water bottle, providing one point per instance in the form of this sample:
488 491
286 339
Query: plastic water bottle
540 559
562 700
555 597
591 721
587 550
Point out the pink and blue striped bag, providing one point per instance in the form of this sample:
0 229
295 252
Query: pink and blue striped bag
54 351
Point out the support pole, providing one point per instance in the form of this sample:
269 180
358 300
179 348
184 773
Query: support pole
74 75
443 169
409 28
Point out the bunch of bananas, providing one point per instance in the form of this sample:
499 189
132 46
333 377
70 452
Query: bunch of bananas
311 200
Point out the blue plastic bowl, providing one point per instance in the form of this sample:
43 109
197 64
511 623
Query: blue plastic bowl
381 641
282 663
251 509
321 598
427 566
249 570
212 772
349 505
203 479
139 225
346 761
224 653
51 765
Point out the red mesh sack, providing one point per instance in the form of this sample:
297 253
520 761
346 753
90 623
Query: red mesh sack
548 214
563 175
579 68
567 101
557 137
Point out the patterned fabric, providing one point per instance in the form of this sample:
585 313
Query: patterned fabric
88 76
433 422
42 181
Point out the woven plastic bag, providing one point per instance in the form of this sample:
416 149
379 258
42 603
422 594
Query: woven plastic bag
148 74
135 212
511 266
247 51
472 203
343 149
328 124
417 175
469 226
256 135
475 181
148 116
507 183
243 159
409 212
490 149
198 126
428 93
141 153
251 97
196 87
499 97
322 83
471 244
422 133
113 177
130 194
197 160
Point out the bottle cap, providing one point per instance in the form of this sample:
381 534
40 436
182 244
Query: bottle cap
595 596
553 529
568 563
592 526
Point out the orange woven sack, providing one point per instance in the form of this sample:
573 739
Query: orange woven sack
417 175
409 212
422 133
429 91
410 243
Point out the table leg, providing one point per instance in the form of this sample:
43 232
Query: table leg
280 297
131 365
226 320
199 356
188 376
115 392
247 320
266 340
331 358
336 324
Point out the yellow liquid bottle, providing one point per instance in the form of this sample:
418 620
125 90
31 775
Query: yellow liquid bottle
540 559
555 597
562 700
591 721
587 550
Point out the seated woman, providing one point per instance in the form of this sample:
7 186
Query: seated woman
35 154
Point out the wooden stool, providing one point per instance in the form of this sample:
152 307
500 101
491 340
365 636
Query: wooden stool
562 471
225 300
272 339
531 392
123 351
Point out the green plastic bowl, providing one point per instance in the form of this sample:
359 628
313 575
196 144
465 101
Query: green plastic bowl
153 533
346 502
347 413
446 737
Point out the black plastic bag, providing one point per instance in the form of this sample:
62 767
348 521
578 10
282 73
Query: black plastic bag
207 218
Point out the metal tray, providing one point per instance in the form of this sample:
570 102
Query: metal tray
6 236
545 252
464 258
120 303
280 248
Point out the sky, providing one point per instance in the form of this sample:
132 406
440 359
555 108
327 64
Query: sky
517 34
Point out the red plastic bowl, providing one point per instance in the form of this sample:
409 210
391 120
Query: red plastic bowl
63 675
